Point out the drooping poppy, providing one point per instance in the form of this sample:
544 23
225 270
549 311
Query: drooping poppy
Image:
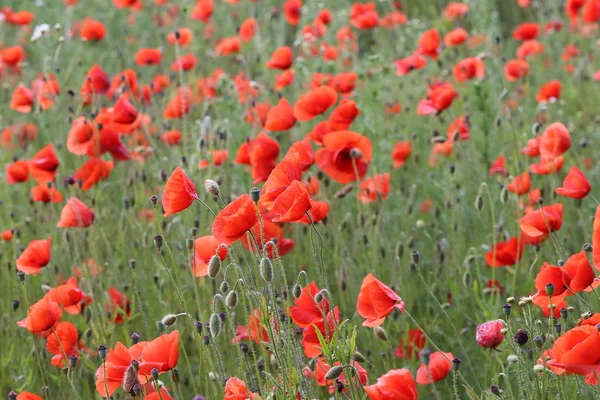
41 316
75 214
345 156
376 301
179 193
542 221
575 185
205 247
393 385
35 257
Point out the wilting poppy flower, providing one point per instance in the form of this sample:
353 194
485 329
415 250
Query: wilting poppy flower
526 31
119 305
520 184
35 257
429 44
575 185
292 10
314 103
93 171
555 140
17 172
505 253
235 389
45 194
205 247
469 68
515 70
345 156
549 92
456 37
364 16
375 188
376 301
75 214
22 99
280 117
401 152
395 384
489 334
281 58
415 342
148 56
436 370
179 193
411 63
580 273
439 97
93 30
41 316
235 220
542 221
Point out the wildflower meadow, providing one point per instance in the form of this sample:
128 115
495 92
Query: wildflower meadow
299 199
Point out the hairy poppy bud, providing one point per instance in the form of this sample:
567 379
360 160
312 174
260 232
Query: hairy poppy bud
496 390
154 373
73 361
224 288
169 319
15 305
266 269
564 313
255 194
334 372
132 263
211 187
479 202
199 326
232 299
558 328
425 355
214 266
504 195
358 357
21 276
380 333
102 351
215 325
539 341
297 290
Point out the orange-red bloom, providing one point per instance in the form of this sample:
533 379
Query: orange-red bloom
237 218
505 253
41 316
575 185
205 247
281 58
179 193
401 152
75 214
436 370
376 301
35 257
515 70
375 188
394 385
540 222
314 103
345 156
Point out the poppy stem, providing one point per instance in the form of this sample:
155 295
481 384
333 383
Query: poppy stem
319 261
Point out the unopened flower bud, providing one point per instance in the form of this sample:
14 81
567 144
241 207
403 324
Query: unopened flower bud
158 242
214 266
506 308
135 338
211 187
415 257
266 269
232 299
297 290
154 374
334 372
215 325
154 200
456 363
175 376
169 319
380 333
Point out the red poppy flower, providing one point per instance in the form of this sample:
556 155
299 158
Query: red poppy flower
343 115
75 214
171 138
235 389
235 220
455 10
375 188
41 316
364 16
260 153
161 353
292 10
314 103
44 194
44 164
489 334
469 68
203 10
326 327
22 99
345 156
580 273
376 301
28 396
393 385
436 370
456 37
205 247
575 185
498 166
148 56
306 308
93 30
119 305
520 184
12 56
182 37
400 153
439 97
549 274
409 64
67 338
542 221
285 79
248 29
228 46
577 351
549 92
281 58
179 193
547 165
69 296
93 171
95 82
555 140
526 31
280 117
184 63
179 105
17 172
35 257
415 342
515 70
529 48
429 44
596 239
505 253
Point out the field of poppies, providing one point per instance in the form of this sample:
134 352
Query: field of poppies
288 199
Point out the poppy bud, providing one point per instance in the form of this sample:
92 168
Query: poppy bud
158 242
15 304
358 357
479 202
521 337
214 266
496 390
73 361
175 376
232 299
334 372
132 263
456 363
154 200
137 390
266 269
558 328
380 333
169 319
102 351
12 396
211 187
549 289
415 257
255 194
215 325
587 248
506 308
21 276
425 355
135 338
466 279
504 195
297 290
539 341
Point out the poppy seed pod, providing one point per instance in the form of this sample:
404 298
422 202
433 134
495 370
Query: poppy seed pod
154 200
21 276
214 266
211 187
456 363
521 338
358 357
132 263
215 325
102 351
158 242
169 319
334 372
549 289
154 374
506 308
266 269
73 361
255 194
